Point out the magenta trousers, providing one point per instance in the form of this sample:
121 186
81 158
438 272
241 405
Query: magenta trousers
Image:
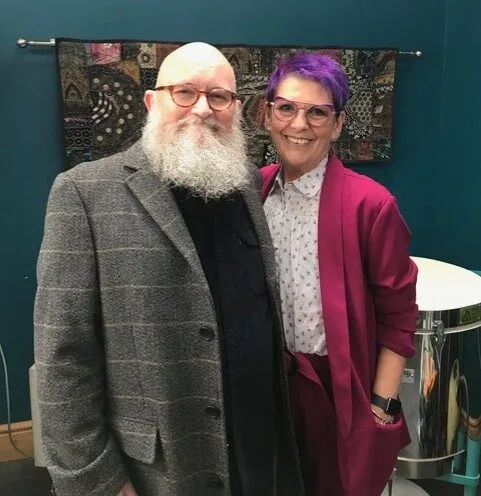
315 423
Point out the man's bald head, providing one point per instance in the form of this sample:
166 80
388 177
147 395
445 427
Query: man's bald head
192 59
196 146
198 65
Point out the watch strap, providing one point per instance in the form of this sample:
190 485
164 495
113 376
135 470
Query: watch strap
391 406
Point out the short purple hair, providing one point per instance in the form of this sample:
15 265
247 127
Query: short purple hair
315 67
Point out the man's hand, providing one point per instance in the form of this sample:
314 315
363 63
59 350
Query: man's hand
128 490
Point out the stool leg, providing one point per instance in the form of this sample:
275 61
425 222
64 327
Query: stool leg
472 464
461 446
389 488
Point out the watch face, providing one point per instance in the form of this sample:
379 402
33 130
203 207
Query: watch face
393 406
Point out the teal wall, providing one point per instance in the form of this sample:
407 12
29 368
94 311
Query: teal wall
427 109
458 215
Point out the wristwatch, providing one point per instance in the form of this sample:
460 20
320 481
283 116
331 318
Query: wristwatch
390 406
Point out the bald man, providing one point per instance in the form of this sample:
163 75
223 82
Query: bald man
158 342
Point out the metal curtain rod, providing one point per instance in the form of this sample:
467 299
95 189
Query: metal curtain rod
417 53
23 43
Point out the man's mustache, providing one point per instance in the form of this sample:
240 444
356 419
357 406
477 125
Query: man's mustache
196 121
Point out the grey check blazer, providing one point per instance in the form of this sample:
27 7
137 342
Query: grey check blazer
126 346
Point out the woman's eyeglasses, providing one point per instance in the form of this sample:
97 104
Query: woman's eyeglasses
316 115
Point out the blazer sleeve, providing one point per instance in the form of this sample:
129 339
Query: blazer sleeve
82 455
392 277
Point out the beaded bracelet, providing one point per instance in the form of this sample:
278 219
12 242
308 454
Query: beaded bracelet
383 421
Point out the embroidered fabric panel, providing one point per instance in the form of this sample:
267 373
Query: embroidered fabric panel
102 86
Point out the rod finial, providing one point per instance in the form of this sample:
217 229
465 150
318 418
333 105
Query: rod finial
22 43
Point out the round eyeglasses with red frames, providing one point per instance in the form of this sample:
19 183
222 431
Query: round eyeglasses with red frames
185 95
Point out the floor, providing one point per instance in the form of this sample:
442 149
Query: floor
22 478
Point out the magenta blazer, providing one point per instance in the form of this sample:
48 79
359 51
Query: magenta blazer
368 287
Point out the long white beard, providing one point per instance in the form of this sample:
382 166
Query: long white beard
198 154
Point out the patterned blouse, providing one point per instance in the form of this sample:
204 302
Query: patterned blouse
292 210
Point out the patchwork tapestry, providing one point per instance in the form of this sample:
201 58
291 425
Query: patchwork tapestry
102 86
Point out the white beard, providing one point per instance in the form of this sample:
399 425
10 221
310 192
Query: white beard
198 154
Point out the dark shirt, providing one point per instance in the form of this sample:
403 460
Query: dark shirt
228 249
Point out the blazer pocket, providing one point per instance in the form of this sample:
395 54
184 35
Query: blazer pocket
369 474
137 439
247 236
250 259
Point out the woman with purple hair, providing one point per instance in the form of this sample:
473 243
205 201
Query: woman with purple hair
347 286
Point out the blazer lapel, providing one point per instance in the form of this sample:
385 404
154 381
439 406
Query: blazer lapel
269 174
333 291
159 202
252 198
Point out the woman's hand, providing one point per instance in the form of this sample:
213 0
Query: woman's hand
380 416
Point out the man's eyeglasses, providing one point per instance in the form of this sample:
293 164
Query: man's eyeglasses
316 115
185 96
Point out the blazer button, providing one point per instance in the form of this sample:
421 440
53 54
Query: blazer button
213 411
215 482
207 333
